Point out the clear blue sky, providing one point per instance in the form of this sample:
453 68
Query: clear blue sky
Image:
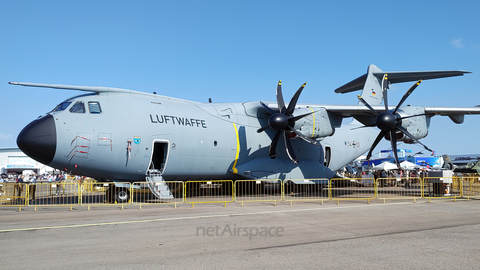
235 51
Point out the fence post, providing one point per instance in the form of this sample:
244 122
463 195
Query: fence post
461 186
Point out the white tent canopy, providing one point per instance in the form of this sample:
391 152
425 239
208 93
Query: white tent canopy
386 166
406 165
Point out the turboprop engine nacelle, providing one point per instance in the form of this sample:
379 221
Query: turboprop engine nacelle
316 125
417 126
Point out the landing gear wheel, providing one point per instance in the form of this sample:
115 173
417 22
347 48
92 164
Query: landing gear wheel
122 195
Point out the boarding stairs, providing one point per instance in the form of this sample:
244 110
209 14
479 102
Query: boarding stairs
157 185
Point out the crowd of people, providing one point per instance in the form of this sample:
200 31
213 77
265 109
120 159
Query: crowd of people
21 181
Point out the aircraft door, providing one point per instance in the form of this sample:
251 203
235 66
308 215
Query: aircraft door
159 156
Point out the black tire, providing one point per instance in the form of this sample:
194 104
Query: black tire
122 195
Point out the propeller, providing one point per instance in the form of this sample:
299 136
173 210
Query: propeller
389 122
283 122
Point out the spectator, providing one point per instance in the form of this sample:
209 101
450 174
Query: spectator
58 181
2 180
19 186
32 188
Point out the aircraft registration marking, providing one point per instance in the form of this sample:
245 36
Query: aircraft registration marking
352 144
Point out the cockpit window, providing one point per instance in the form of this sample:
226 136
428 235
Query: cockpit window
62 106
78 107
94 107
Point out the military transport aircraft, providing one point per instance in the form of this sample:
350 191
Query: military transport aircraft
96 134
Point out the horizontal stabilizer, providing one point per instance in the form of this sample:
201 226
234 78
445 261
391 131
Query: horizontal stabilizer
399 77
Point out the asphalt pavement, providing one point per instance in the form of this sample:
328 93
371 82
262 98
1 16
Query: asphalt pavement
352 235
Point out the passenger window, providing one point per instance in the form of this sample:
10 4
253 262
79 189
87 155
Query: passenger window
62 106
78 107
94 107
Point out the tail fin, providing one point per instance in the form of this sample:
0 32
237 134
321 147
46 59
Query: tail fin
371 82
372 90
447 163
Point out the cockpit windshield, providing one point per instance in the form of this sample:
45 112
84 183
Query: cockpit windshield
62 106
78 107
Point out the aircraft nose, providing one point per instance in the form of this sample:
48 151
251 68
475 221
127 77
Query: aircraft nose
39 139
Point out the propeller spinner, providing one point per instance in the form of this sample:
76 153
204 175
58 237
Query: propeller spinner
283 122
389 122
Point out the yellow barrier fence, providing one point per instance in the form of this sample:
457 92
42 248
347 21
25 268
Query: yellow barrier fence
13 194
91 185
471 187
65 193
89 192
306 190
142 195
352 189
442 188
258 191
118 193
218 191
399 188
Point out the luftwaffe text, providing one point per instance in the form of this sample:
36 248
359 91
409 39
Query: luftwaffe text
181 121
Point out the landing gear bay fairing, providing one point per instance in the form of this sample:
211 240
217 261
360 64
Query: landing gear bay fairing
122 135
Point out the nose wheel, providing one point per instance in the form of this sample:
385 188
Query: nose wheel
118 195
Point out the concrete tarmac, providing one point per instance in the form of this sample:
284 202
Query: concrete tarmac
352 235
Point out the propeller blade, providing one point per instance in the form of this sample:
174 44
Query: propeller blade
366 104
418 153
407 94
262 129
371 125
267 108
393 140
377 140
384 91
272 151
305 138
280 100
293 102
290 151
404 130
301 116
414 115
283 122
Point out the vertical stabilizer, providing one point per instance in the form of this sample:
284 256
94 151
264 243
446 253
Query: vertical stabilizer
372 90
